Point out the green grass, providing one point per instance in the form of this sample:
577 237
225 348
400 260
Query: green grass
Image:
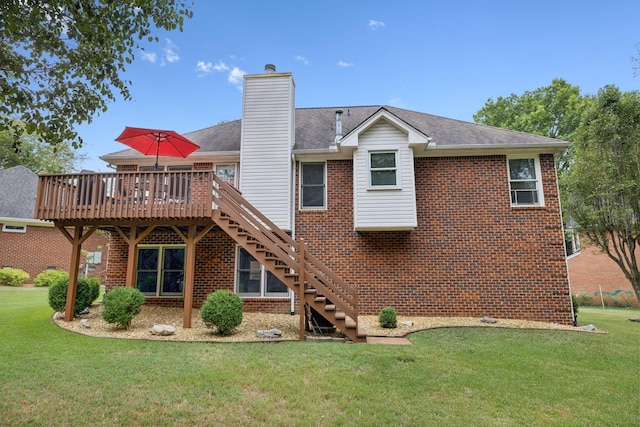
452 377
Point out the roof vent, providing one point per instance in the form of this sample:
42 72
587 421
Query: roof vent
269 68
338 125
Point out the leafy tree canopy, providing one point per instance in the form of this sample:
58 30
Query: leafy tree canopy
553 111
602 186
37 155
61 60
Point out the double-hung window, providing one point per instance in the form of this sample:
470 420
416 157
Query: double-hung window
160 270
383 169
312 186
253 280
227 173
524 181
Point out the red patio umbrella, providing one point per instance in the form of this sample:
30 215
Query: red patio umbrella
158 142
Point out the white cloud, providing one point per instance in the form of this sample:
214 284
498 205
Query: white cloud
235 77
344 64
374 25
204 68
170 52
302 59
220 66
149 56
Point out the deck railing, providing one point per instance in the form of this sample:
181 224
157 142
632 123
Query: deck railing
125 195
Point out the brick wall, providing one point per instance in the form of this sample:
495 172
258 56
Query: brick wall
43 247
472 254
215 264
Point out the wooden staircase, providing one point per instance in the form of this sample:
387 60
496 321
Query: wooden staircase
289 260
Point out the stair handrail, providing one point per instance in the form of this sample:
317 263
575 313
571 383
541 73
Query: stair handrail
251 216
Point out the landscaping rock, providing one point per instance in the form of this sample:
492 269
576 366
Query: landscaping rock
85 323
268 333
589 328
85 311
58 315
163 330
406 323
488 320
634 319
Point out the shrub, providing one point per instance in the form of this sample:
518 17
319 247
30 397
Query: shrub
121 305
13 276
94 286
58 294
388 318
222 309
48 278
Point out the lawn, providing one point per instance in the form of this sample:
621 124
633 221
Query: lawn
452 377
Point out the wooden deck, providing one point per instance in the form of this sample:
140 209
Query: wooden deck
107 197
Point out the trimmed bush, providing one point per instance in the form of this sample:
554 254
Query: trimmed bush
222 309
388 318
13 276
94 286
84 294
49 277
121 305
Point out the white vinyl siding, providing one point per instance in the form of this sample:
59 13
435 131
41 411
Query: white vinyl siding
384 207
267 137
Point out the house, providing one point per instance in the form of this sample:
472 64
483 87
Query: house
31 244
345 209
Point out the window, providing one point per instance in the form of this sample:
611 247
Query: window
383 168
160 270
253 280
312 186
524 182
227 173
14 228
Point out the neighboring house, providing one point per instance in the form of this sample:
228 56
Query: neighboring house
31 244
593 273
429 215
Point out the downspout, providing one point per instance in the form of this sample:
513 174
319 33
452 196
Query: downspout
293 225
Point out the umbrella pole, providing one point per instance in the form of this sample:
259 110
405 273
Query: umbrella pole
157 153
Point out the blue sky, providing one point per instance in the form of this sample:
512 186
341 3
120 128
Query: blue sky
440 57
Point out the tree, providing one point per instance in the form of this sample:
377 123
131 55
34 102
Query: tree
37 156
61 60
602 186
553 111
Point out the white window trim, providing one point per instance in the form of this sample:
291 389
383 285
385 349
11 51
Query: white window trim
9 228
263 282
324 178
536 161
398 185
161 247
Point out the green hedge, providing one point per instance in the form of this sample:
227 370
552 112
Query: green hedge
13 276
49 277
87 292
222 309
121 305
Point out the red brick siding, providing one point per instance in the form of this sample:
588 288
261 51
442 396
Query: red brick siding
472 254
215 264
42 247
593 272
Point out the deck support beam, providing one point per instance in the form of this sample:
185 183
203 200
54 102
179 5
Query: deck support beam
79 236
132 240
191 239
301 288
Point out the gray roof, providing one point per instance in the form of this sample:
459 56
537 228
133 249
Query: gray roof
315 129
18 186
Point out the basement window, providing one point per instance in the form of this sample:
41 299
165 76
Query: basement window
254 280
14 228
160 270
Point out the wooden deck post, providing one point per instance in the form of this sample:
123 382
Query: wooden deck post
72 289
301 287
191 239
